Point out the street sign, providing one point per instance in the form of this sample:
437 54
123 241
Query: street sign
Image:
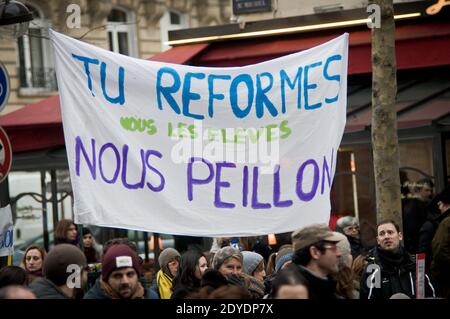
4 86
251 6
5 155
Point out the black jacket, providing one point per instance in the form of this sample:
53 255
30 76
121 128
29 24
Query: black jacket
391 276
318 288
426 235
414 215
97 293
45 289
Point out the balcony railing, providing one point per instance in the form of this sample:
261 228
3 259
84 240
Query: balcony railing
39 78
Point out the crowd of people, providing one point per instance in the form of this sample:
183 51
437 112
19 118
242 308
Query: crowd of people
314 263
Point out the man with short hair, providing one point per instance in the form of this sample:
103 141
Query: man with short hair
390 269
120 276
315 259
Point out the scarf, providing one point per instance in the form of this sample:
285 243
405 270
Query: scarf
138 294
391 260
164 282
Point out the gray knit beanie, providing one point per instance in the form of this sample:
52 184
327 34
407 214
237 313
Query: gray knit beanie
225 253
251 261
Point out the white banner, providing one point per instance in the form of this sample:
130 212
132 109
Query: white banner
6 232
201 151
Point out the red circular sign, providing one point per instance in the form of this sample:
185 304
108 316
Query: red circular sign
5 155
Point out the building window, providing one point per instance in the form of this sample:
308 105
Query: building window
120 28
36 69
171 20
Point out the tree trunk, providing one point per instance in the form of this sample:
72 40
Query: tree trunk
384 116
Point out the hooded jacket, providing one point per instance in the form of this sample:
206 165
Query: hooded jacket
388 273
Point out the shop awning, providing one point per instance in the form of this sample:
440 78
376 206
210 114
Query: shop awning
423 102
417 46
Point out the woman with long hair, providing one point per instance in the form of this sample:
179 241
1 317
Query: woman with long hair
66 232
192 266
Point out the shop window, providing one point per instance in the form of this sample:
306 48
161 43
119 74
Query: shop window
36 69
353 191
416 164
171 20
121 32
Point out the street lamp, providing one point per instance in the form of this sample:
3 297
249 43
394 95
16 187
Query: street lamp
14 19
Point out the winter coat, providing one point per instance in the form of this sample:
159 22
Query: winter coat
45 289
318 288
440 266
414 216
96 292
356 247
397 275
426 235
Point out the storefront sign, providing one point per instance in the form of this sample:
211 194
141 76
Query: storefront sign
6 232
202 151
250 6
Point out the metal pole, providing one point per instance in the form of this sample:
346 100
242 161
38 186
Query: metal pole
54 199
44 210
146 248
355 186
156 250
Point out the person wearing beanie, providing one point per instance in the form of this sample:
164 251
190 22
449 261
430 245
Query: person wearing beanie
169 261
61 281
120 276
253 264
254 273
283 258
229 261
